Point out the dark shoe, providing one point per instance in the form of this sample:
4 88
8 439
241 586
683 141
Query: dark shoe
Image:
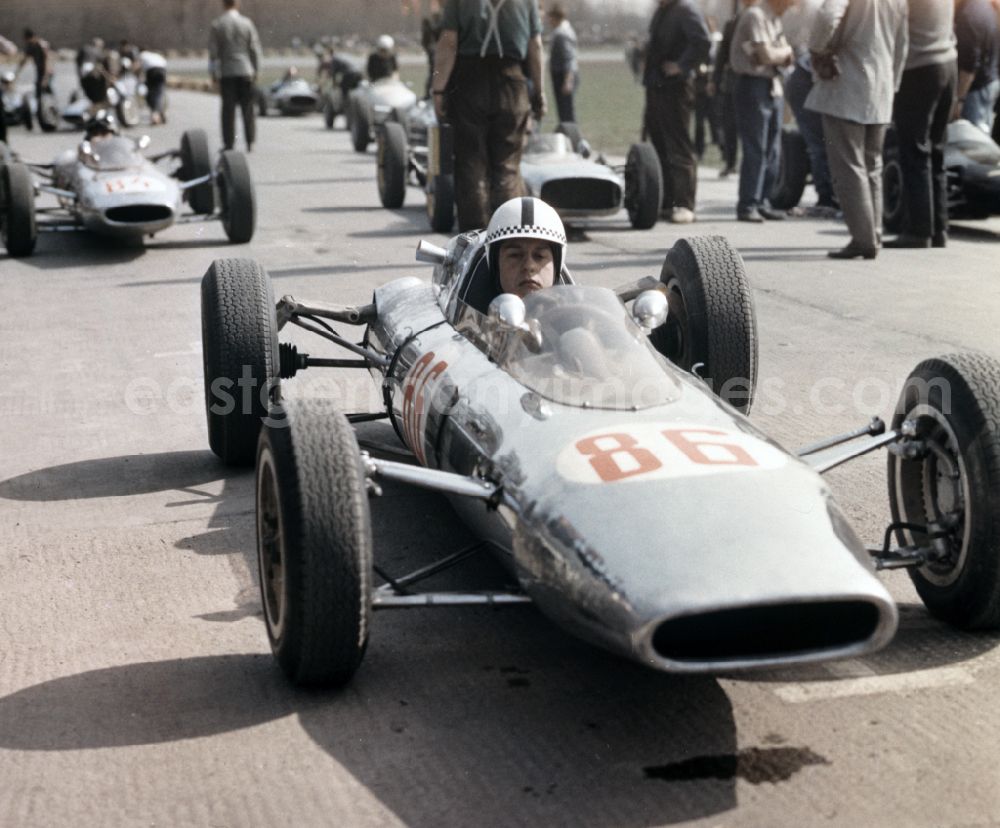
907 240
939 240
750 215
771 214
852 251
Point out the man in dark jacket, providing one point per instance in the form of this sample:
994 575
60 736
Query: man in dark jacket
480 86
679 42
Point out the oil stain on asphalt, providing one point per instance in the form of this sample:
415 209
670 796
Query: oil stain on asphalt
754 765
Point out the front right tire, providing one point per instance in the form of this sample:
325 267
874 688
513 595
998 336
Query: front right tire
314 544
239 333
711 327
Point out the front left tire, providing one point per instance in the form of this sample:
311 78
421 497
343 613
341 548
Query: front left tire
314 544
951 486
392 165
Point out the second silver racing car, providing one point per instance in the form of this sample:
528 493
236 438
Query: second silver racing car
107 185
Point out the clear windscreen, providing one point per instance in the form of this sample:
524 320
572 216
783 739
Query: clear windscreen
583 349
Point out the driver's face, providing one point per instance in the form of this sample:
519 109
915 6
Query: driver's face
526 265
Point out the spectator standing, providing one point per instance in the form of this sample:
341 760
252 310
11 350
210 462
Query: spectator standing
152 67
382 62
858 53
234 60
479 84
920 112
38 52
722 89
757 53
679 42
978 40
430 28
563 66
798 24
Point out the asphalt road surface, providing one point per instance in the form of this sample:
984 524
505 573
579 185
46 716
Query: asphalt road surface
136 683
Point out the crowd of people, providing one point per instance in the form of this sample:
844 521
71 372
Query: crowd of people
850 70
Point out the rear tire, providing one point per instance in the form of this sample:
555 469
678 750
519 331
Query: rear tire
196 161
239 331
393 158
893 202
237 200
643 186
361 123
314 544
17 210
711 319
441 203
793 172
955 402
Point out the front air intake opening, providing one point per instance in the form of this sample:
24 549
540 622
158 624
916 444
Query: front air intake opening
581 194
303 101
138 213
763 632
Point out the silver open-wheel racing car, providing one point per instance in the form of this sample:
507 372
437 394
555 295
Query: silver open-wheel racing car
109 186
556 167
606 457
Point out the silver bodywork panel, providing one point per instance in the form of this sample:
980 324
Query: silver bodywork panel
121 193
677 534
572 184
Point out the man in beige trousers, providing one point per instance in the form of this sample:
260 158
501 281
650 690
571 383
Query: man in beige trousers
867 40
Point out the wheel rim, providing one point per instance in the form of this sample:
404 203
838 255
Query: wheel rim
674 341
893 189
270 546
942 482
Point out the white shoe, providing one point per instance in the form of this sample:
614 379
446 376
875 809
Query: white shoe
681 215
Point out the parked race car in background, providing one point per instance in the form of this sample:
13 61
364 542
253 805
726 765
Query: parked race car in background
971 159
972 162
290 96
598 442
110 187
372 104
20 107
556 167
125 96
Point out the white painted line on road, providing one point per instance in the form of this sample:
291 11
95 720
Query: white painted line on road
873 685
194 349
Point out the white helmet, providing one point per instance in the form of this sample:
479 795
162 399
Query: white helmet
385 43
525 218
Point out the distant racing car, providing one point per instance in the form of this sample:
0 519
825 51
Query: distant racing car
372 104
556 167
605 456
110 187
290 96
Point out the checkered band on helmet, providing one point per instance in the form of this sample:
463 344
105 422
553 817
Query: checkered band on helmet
526 218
